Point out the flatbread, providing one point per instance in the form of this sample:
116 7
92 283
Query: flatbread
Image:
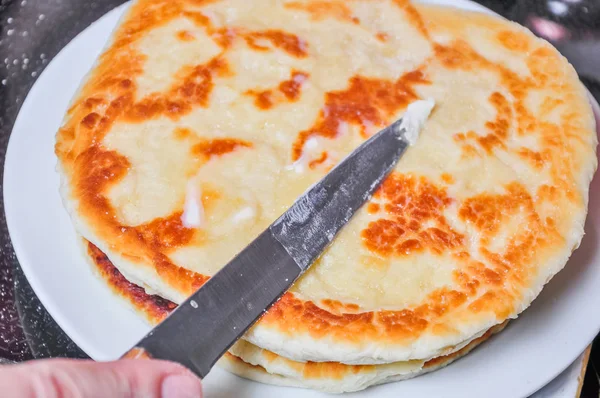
248 103
333 377
249 361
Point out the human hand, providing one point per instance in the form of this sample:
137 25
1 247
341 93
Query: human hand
70 378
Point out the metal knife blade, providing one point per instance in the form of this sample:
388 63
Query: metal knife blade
202 328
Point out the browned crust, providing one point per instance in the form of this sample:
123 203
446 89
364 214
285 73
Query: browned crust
154 308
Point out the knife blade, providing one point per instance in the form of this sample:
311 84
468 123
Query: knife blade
203 327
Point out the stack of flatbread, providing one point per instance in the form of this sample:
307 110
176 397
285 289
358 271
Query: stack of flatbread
203 120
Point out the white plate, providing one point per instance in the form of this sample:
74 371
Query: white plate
527 355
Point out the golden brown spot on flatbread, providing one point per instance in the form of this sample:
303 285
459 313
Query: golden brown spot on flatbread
373 208
210 195
547 193
382 36
320 10
98 169
198 19
287 42
219 146
536 159
459 55
180 278
515 41
497 129
166 233
224 37
474 275
401 324
185 35
193 89
404 324
331 370
90 121
257 40
287 91
546 72
269 355
338 307
543 65
413 16
262 99
456 55
316 320
416 223
487 213
181 133
447 178
441 301
550 104
291 88
320 160
366 101
381 236
202 2
145 19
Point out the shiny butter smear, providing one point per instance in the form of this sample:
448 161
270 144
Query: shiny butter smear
414 119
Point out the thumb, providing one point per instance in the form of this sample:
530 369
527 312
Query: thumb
128 378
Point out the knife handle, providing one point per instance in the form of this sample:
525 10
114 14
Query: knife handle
137 353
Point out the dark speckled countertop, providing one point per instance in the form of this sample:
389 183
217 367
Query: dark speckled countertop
32 32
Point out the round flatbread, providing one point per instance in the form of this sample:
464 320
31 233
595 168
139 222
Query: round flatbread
203 121
247 360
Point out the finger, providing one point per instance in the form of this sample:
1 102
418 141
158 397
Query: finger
66 378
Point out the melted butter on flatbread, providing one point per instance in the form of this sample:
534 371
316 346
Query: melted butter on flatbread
193 210
414 118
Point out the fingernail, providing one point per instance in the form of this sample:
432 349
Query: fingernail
181 386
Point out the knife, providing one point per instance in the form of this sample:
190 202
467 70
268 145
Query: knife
203 327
